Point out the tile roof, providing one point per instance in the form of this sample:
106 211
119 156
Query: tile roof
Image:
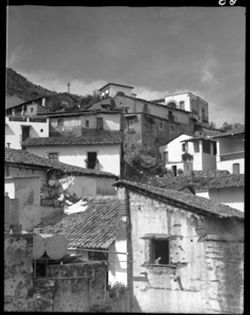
198 138
116 84
230 133
227 181
99 137
187 201
93 228
26 158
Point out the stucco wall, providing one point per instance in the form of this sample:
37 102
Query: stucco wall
13 131
108 155
118 263
204 277
228 165
233 197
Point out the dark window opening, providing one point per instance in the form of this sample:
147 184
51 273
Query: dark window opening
31 109
53 156
183 147
87 123
91 161
214 148
174 170
99 123
98 256
165 157
25 132
206 146
182 103
159 252
236 168
172 104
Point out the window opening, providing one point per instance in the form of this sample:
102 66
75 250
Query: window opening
160 252
91 160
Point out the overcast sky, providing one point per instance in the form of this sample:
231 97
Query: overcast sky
158 50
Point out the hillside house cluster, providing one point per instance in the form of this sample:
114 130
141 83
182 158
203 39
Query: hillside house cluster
178 241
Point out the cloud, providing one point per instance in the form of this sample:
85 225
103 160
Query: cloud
208 72
49 80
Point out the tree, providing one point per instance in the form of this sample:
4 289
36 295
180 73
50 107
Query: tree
212 125
227 127
140 161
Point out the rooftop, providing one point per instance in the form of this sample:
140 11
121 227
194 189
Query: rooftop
116 84
230 133
93 228
88 138
187 201
227 181
22 157
198 138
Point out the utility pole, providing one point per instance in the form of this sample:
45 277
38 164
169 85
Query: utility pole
68 84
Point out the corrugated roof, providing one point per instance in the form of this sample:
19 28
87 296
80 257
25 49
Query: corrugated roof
26 158
227 181
100 137
200 204
93 228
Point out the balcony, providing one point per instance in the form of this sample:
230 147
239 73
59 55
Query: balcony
232 156
26 119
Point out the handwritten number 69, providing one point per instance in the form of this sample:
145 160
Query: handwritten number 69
231 2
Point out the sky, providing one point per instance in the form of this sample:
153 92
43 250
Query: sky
158 50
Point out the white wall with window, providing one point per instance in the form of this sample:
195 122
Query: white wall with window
107 155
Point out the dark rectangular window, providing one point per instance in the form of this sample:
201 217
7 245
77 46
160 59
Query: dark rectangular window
25 132
87 123
206 146
165 157
91 160
160 252
99 123
53 156
236 168
214 148
183 147
98 256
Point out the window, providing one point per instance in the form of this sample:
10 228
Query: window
60 122
53 156
159 253
25 132
183 147
91 160
182 104
206 146
161 125
196 146
165 157
98 256
172 129
87 123
174 170
214 148
31 109
99 123
41 130
236 168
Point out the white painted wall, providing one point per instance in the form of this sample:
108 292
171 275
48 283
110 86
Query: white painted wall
13 131
178 98
118 263
233 197
108 155
228 165
112 90
203 194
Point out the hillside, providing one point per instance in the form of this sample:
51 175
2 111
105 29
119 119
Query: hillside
17 85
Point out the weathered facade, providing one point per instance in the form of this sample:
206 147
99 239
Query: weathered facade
185 252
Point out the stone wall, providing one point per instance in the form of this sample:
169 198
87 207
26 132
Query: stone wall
83 291
203 276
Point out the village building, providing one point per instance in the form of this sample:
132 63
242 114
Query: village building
187 153
231 151
229 190
184 251
95 149
189 102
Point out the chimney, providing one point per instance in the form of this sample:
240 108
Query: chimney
43 101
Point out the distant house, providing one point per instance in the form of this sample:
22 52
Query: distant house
185 252
19 128
98 233
200 152
231 151
111 89
88 182
28 108
229 190
95 149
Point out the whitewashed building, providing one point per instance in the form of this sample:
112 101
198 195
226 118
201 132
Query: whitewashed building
231 151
